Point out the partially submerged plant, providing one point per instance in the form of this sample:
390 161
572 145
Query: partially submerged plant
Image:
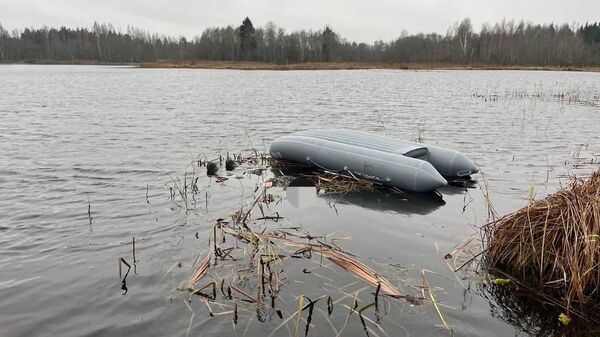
211 169
250 258
553 244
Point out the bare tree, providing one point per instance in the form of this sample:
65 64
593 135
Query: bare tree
3 39
464 33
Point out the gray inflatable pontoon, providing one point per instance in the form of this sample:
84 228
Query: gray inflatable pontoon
393 162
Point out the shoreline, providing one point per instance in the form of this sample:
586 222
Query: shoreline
239 65
242 65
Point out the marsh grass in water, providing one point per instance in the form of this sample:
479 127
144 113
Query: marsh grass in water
567 96
250 253
551 247
545 252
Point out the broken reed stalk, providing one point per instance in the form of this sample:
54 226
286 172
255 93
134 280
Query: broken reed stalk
89 208
298 315
199 272
265 251
121 261
359 269
134 258
553 243
435 303
336 256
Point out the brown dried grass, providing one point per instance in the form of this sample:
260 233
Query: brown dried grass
553 243
247 65
341 183
199 271
335 255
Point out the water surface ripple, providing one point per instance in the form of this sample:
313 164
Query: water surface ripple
73 137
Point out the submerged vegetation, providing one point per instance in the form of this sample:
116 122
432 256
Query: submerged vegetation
253 254
504 44
579 96
538 266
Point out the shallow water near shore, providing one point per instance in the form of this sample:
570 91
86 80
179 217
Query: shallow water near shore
109 139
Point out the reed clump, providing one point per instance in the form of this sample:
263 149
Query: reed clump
553 244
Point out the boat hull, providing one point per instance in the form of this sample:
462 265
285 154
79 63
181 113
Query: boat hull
447 162
388 168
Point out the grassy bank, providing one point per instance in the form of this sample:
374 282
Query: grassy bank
70 62
240 65
347 66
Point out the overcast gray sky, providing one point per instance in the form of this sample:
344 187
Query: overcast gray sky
358 20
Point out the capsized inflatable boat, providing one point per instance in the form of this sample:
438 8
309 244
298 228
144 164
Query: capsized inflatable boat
393 162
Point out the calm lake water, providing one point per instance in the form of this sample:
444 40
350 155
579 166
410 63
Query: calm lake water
108 138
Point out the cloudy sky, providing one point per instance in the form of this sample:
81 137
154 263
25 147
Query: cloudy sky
358 20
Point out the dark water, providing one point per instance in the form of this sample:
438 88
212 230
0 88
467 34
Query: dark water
73 137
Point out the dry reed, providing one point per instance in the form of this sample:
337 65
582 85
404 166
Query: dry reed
248 253
552 243
243 65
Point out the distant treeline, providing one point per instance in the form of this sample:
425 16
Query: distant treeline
505 43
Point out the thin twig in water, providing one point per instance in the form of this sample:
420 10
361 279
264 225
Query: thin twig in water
435 304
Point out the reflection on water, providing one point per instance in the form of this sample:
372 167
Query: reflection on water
384 201
302 196
301 193
534 315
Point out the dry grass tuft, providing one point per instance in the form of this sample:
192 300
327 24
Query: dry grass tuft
553 243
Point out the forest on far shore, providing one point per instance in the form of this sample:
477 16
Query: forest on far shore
507 43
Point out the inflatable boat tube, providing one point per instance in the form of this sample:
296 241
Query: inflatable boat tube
447 162
391 168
